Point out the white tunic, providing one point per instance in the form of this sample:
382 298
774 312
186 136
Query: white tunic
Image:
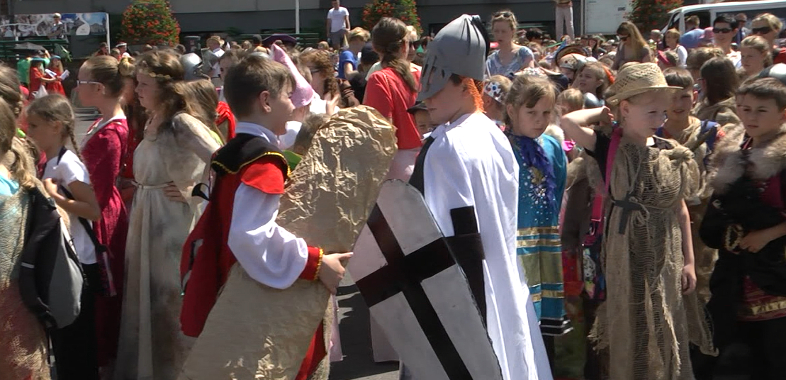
470 163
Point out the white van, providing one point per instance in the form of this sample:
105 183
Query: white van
708 12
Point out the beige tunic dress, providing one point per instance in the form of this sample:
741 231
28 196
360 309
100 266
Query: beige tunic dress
151 343
646 323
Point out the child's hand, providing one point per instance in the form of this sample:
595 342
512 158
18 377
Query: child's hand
606 118
688 279
331 102
173 193
332 270
754 241
51 186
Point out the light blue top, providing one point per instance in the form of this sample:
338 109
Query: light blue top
8 186
520 61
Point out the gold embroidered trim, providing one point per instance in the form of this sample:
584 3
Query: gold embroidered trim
538 230
536 297
319 264
553 293
226 169
538 242
764 308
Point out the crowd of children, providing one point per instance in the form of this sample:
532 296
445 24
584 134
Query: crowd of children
631 211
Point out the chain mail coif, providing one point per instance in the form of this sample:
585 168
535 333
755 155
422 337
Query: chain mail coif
646 323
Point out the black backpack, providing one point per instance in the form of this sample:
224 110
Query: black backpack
50 277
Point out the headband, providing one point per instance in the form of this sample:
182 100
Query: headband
494 90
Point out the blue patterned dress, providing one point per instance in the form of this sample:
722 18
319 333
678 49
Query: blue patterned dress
539 250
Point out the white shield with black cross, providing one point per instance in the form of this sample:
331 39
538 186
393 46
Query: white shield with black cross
408 275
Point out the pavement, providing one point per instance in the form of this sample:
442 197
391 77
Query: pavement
358 361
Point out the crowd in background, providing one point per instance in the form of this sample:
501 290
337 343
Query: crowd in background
679 98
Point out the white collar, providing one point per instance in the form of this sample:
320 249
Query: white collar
256 130
444 128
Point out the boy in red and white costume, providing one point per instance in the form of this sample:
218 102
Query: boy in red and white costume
239 223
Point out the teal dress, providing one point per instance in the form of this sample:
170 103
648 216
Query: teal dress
542 175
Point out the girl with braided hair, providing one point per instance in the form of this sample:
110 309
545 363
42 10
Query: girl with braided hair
51 125
393 89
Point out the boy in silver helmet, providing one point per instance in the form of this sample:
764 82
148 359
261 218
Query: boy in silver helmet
468 162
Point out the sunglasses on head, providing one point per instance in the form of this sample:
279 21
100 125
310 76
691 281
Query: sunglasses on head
762 30
506 14
722 30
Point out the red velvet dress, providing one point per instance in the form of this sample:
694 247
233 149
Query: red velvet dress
127 187
35 81
56 87
102 152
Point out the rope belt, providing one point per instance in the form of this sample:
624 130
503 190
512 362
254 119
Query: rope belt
149 187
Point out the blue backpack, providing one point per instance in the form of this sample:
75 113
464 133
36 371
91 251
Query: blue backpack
708 134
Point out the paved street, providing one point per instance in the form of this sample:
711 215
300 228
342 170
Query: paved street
353 314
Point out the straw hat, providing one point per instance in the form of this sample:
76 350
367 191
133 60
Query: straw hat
637 78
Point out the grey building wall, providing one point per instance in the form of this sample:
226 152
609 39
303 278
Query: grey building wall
250 16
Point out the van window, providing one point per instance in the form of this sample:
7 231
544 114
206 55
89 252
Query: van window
674 23
704 18
778 12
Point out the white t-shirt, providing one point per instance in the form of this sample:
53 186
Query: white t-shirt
68 170
337 18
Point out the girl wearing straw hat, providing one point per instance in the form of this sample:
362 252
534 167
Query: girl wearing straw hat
647 321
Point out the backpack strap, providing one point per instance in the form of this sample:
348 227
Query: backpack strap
60 155
616 136
108 286
42 221
710 129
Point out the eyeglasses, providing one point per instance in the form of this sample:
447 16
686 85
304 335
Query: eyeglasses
623 38
722 30
762 30
81 82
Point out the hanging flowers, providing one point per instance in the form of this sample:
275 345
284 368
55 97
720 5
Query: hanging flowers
150 22
404 10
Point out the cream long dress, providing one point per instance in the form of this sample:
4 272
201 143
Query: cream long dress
151 343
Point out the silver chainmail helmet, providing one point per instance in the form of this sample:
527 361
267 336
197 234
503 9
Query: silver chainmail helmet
192 65
459 48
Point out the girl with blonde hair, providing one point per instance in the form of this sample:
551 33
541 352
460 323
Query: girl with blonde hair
633 47
648 318
100 85
27 357
756 54
672 40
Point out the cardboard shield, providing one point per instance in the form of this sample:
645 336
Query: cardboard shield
257 332
417 292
